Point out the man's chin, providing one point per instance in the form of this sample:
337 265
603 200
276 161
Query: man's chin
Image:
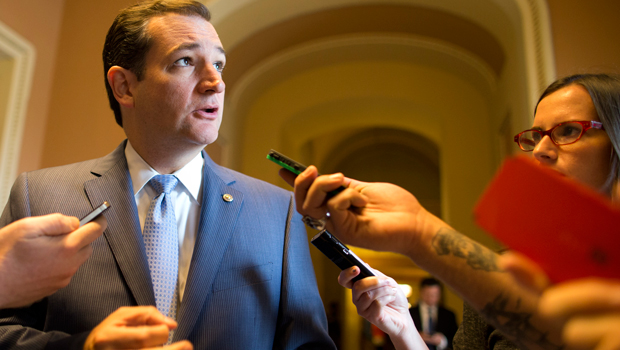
201 137
212 139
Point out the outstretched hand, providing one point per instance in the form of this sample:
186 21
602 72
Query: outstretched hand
380 300
39 255
591 309
380 216
588 309
138 327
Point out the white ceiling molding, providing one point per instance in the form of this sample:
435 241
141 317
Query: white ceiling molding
412 49
521 26
22 56
539 57
496 16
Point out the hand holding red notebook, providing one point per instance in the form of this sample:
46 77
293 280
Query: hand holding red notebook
567 228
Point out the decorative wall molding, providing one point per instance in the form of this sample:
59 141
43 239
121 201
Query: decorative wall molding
22 56
539 57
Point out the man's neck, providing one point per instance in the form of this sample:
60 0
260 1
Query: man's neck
427 306
167 160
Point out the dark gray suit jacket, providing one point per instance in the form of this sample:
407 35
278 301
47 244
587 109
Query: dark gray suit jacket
445 323
251 283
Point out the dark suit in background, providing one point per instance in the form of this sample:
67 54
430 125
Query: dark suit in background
445 323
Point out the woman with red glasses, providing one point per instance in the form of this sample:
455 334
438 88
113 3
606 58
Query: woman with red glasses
584 146
576 131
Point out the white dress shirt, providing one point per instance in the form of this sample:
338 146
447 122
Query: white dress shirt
185 197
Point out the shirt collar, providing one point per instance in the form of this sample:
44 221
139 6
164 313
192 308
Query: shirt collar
141 172
427 307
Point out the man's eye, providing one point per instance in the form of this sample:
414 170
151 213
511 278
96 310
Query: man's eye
183 62
219 66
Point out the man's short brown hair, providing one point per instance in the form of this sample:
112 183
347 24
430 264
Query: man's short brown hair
128 41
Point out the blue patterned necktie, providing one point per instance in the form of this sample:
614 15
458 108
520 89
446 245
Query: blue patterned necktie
161 241
431 324
431 328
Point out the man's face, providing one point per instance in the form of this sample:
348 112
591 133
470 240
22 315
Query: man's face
180 99
430 295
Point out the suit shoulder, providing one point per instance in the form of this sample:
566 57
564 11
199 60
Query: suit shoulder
446 310
61 173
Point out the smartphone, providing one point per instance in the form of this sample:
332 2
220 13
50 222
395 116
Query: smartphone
286 162
340 254
295 167
95 213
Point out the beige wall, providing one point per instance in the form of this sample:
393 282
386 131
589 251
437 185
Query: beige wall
39 22
585 35
80 123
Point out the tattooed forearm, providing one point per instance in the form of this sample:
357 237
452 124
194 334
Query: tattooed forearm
516 324
478 257
509 316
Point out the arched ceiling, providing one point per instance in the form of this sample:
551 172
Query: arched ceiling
364 19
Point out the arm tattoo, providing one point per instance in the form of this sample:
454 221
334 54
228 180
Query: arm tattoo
478 257
516 324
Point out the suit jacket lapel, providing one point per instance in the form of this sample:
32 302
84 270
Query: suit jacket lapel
123 234
217 222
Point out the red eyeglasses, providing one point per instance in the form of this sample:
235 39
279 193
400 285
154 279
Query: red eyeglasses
561 134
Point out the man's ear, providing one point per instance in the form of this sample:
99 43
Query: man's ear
122 82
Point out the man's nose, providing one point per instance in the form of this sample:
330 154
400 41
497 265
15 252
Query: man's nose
211 80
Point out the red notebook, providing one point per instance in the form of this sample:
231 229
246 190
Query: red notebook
567 228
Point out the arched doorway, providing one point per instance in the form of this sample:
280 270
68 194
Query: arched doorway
16 69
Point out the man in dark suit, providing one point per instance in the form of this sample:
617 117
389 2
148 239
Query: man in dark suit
244 278
436 324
